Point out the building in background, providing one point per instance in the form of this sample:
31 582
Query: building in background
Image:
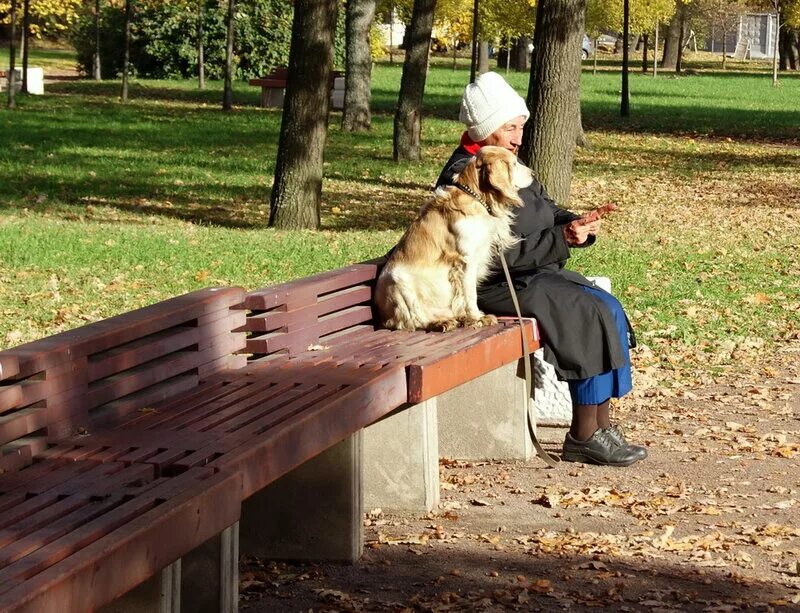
756 28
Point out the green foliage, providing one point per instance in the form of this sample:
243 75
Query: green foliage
164 40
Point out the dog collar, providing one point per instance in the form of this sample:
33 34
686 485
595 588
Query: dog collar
469 191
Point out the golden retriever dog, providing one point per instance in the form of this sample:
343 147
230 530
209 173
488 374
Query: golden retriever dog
430 279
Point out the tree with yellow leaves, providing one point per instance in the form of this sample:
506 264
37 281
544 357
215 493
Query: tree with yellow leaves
48 17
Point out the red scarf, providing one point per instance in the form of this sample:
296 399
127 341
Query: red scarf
469 145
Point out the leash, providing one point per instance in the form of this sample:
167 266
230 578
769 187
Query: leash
548 458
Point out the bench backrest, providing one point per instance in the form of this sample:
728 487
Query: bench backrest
75 381
290 317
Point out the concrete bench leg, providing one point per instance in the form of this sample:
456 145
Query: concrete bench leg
401 460
312 513
160 594
486 418
210 575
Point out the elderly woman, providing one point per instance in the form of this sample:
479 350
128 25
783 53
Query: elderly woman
586 334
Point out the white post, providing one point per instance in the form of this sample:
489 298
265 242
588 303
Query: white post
776 42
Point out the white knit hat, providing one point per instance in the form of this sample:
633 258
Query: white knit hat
488 103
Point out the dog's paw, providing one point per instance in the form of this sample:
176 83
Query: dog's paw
444 325
488 320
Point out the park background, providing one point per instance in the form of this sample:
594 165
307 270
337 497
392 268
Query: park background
107 206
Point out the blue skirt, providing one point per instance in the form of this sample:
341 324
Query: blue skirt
615 383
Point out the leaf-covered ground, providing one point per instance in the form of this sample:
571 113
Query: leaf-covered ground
709 522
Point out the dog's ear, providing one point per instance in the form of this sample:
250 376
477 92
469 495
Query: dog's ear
497 174
470 175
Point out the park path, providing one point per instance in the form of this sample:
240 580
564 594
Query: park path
709 522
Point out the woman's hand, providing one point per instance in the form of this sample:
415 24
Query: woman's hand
577 232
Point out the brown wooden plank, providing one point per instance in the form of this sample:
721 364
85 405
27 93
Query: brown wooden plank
299 291
10 397
323 424
113 412
21 423
432 376
107 568
300 340
9 365
325 305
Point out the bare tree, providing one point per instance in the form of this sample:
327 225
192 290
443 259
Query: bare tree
554 95
358 65
126 50
227 88
297 189
408 115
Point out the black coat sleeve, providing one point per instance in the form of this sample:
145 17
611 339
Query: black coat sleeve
540 226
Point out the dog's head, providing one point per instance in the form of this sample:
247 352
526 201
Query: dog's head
496 174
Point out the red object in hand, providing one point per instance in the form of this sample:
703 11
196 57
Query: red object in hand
599 212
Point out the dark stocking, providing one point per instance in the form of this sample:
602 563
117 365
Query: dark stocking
584 421
604 414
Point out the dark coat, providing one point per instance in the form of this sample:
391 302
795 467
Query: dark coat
579 335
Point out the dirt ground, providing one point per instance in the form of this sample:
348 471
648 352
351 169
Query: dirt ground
709 522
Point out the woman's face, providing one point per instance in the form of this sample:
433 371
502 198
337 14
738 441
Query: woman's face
508 136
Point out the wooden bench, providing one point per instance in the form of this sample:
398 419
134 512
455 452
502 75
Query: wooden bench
273 88
159 406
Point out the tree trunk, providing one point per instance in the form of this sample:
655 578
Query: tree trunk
672 42
12 57
126 50
483 57
96 70
297 189
26 41
554 95
227 89
201 60
625 103
358 66
519 54
681 38
645 42
408 116
724 50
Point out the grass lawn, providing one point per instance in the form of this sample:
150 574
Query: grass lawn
108 206
52 60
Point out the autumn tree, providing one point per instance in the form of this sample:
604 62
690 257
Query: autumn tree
297 188
551 133
408 114
358 65
47 17
676 36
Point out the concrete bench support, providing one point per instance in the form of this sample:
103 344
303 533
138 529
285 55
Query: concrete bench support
401 460
160 594
486 418
206 580
312 513
210 575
